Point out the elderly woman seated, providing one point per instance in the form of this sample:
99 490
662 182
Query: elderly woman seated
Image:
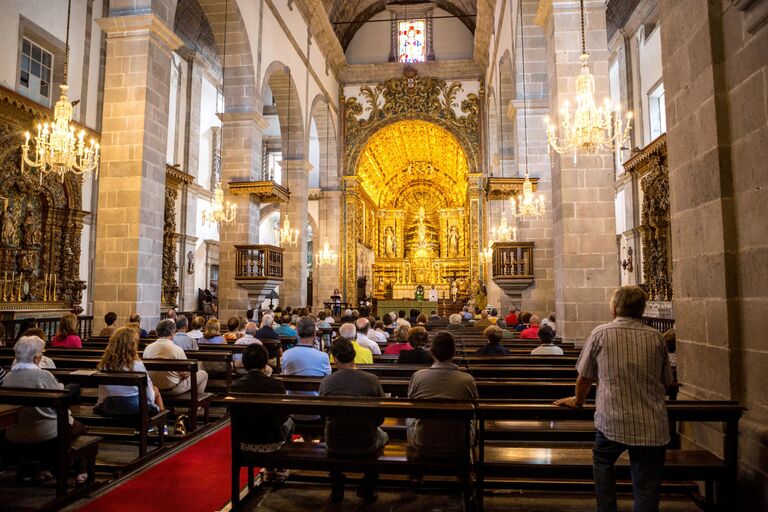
494 334
35 432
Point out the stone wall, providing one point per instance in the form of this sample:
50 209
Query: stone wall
716 77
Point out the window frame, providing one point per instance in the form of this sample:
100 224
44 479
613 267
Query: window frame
43 39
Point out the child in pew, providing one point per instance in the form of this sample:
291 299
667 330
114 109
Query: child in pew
262 434
121 355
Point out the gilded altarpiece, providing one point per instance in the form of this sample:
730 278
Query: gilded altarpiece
407 166
41 222
651 170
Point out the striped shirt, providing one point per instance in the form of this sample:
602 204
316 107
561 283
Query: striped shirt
629 361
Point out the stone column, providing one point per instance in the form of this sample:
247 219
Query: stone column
129 234
585 259
293 291
327 278
240 161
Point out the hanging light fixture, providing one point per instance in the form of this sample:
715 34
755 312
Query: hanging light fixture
286 235
327 256
527 204
57 149
486 254
504 233
220 211
590 128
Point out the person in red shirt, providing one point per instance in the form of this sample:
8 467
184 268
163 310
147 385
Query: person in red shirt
511 318
532 332
66 333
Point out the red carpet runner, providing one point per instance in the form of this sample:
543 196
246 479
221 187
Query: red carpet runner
195 479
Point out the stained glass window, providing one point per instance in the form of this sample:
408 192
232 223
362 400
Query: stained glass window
412 41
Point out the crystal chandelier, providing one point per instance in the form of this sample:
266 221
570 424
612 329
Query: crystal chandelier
327 256
57 149
590 128
286 235
220 212
486 254
504 233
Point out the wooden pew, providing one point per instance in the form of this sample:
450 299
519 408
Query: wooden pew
66 452
504 459
141 423
395 458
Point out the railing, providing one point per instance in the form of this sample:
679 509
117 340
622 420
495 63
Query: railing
660 324
513 260
259 262
14 328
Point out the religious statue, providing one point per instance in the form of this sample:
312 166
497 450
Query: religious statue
453 242
421 228
10 235
462 286
389 242
31 229
381 288
28 260
481 297
190 262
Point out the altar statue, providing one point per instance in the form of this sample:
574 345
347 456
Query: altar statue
421 228
389 242
32 234
10 235
453 242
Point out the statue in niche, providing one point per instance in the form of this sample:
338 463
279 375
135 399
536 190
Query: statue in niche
381 288
31 230
10 235
462 287
421 228
28 260
389 242
453 242
190 262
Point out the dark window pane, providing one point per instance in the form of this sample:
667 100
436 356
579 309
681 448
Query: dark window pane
44 89
24 79
25 62
35 68
25 47
36 53
47 59
46 74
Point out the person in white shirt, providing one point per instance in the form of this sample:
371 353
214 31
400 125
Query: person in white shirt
197 325
251 329
171 383
401 319
547 347
363 327
433 294
375 334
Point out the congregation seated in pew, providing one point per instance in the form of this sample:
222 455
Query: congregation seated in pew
248 338
234 329
362 355
170 382
182 339
66 333
121 355
418 337
532 331
135 318
494 334
196 328
110 319
36 429
454 323
399 341
363 338
547 347
350 435
267 331
212 333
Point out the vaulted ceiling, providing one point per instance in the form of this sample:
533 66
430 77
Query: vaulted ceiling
347 16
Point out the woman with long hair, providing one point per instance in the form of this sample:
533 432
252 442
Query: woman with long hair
122 355
212 332
400 339
66 333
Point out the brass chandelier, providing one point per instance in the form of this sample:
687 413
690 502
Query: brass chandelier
590 128
221 212
56 149
287 236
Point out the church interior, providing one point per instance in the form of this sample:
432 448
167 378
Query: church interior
220 161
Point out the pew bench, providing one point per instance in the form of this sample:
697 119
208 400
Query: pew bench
396 458
510 460
85 446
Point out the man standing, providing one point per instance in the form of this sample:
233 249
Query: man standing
440 438
629 360
171 383
352 435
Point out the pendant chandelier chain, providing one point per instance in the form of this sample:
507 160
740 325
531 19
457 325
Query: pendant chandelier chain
583 32
525 96
66 42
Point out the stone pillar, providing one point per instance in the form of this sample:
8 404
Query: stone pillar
129 234
585 260
327 278
240 161
293 291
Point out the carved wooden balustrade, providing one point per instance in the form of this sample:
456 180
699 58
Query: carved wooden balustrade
512 266
259 262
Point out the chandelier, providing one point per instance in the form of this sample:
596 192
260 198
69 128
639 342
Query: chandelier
528 204
220 212
504 233
486 254
286 235
57 149
327 256
590 128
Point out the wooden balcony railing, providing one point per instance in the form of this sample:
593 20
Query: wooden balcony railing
512 260
255 262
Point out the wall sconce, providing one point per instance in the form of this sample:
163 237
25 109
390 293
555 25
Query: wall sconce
626 264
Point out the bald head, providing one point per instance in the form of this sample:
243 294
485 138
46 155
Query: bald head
362 325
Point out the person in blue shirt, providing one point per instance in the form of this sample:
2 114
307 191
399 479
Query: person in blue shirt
285 329
304 359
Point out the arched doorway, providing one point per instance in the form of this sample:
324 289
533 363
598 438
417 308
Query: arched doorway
412 179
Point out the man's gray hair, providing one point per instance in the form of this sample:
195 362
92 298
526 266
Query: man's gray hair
181 322
251 328
455 318
165 328
27 348
306 327
267 321
347 312
348 331
629 301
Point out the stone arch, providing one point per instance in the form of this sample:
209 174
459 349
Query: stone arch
507 136
278 79
322 114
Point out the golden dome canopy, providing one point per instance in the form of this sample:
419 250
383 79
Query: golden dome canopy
409 157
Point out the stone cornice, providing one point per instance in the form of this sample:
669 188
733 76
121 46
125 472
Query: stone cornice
124 26
243 116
